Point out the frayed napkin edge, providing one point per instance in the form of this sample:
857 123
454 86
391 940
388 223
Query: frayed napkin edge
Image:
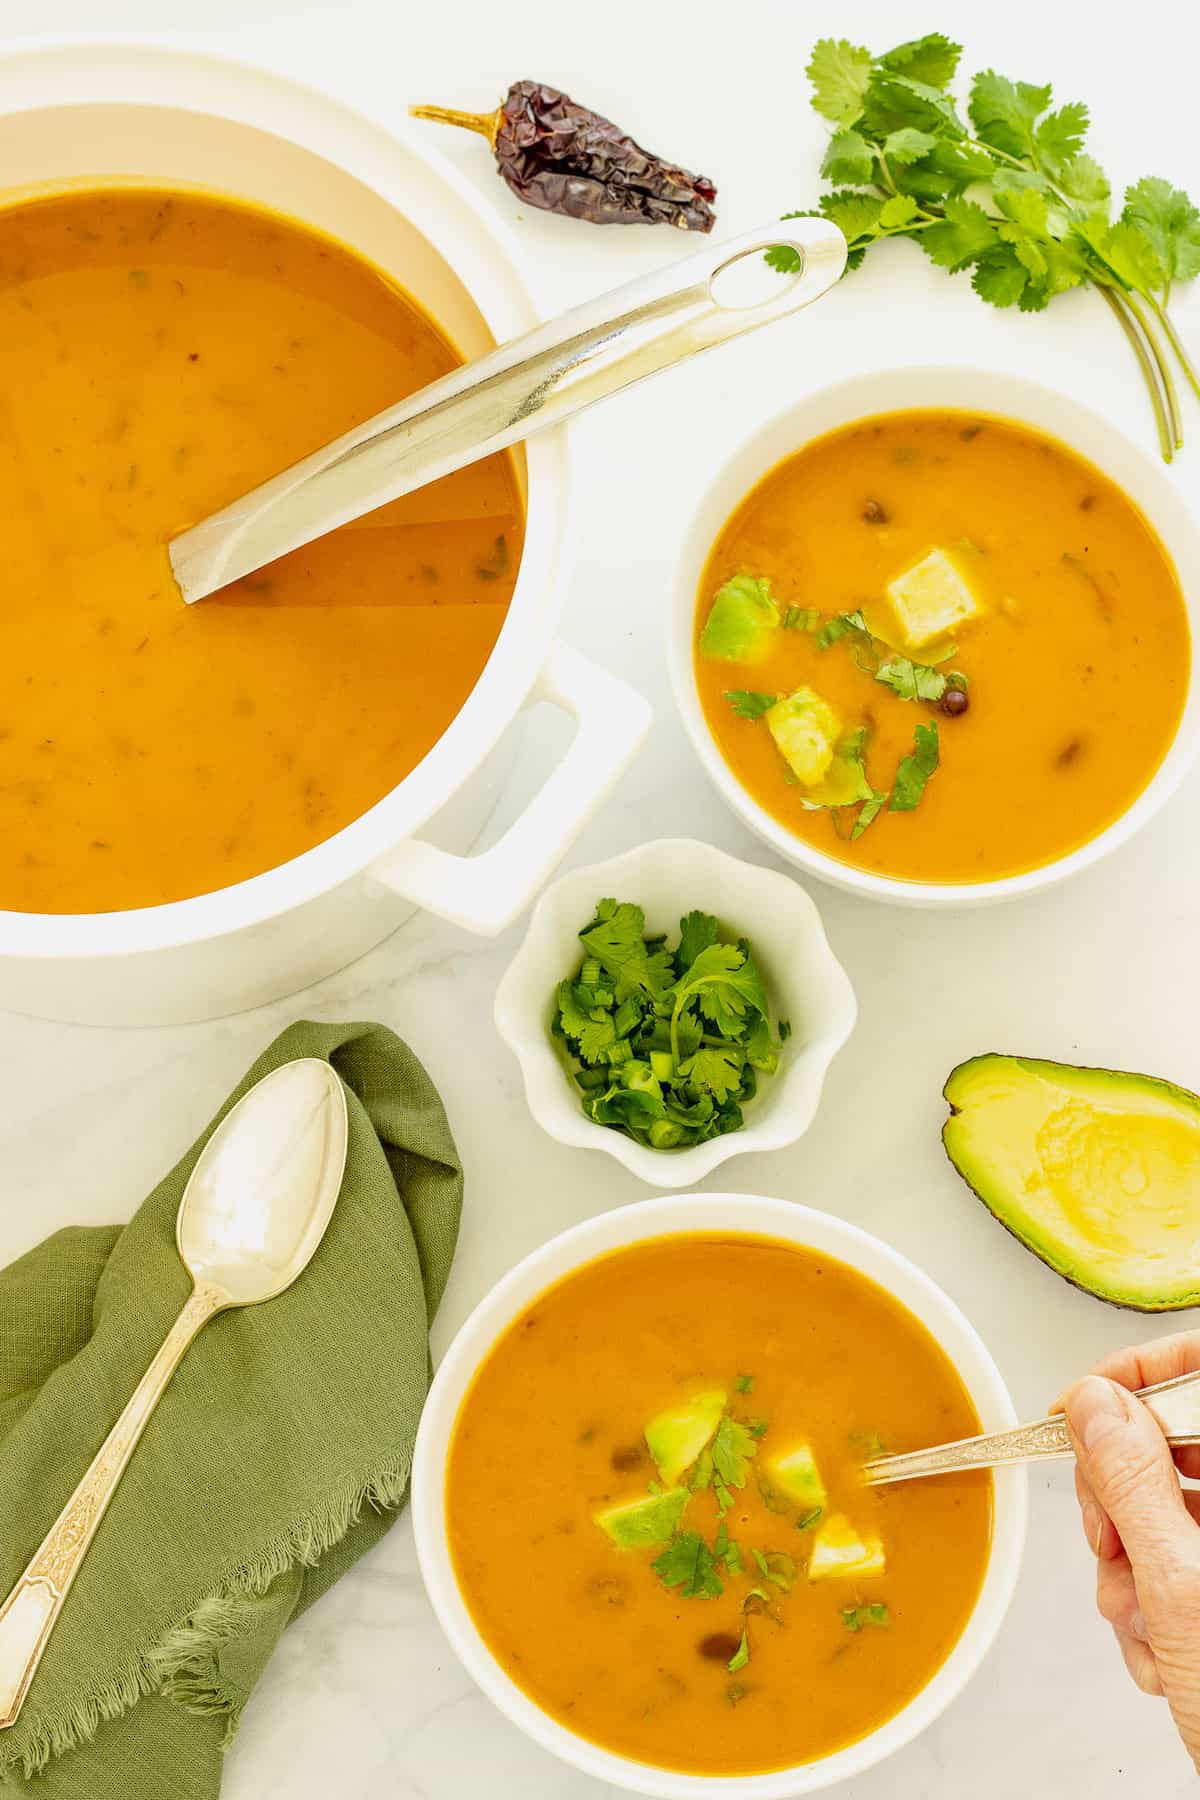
184 1665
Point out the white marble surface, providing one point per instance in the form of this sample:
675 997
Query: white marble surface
364 1699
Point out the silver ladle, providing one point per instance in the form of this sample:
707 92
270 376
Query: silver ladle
1174 1404
522 387
252 1215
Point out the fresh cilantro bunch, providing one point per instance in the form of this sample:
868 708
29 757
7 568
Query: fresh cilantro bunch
671 1041
1008 192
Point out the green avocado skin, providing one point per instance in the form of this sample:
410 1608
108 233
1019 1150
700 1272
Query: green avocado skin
988 1186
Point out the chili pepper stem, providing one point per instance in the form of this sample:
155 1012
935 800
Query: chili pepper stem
486 124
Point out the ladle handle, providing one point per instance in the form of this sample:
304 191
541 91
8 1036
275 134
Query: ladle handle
31 1611
531 382
1174 1404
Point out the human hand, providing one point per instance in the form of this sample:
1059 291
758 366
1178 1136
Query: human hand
1141 1524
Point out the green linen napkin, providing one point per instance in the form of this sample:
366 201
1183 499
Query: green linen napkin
278 1454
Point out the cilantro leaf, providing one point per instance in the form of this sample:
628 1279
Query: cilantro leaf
1083 179
855 1617
749 705
848 158
616 939
741 1655
697 930
910 680
1167 218
840 626
999 277
593 1036
720 1071
856 215
915 769
868 814
1058 138
733 1450
907 144
801 618
688 1564
840 73
963 235
932 59
744 1384
1005 112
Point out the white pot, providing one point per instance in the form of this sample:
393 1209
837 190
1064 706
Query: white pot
115 109
1142 477
756 1216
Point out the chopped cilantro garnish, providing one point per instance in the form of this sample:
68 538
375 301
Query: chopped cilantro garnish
741 1655
727 1550
848 624
733 1450
780 1569
915 769
745 1384
911 680
756 1427
671 1041
808 1519
749 705
855 1617
801 618
688 1564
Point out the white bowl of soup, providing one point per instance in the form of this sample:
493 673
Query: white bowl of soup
211 271
931 635
638 1514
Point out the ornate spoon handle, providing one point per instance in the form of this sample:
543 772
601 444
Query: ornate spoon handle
1175 1404
31 1611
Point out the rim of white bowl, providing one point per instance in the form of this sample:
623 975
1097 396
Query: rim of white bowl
783 1113
939 386
510 669
742 1215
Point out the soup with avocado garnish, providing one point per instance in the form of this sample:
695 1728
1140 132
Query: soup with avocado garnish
941 647
656 1517
161 352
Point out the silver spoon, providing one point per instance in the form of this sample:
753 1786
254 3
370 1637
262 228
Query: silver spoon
1174 1404
520 388
254 1211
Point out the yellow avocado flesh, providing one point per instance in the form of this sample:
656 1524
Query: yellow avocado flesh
1096 1171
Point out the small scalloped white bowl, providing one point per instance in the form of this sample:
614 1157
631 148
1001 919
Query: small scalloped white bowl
806 983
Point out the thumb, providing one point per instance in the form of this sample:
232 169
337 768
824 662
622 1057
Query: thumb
1127 1462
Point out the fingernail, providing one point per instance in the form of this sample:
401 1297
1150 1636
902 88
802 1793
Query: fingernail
1093 1525
1137 1628
1094 1409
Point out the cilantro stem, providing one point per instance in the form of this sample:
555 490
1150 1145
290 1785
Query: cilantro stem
1148 367
1176 342
1170 391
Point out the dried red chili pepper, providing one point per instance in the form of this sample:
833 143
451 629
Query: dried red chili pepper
564 158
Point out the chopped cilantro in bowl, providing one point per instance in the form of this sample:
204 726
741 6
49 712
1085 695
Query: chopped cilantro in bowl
666 1044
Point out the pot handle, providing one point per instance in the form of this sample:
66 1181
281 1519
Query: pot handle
485 893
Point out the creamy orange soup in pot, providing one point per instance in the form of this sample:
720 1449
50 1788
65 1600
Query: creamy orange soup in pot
160 353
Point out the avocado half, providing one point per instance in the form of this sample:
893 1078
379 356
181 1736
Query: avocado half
1096 1171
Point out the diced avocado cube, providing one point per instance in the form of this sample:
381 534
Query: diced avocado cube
742 622
676 1438
806 729
930 599
795 1474
651 1519
838 1550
